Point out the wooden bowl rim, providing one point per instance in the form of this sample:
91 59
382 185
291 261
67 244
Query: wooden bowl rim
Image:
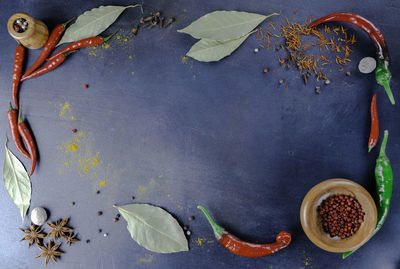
320 195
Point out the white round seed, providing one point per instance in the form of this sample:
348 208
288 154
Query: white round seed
367 65
38 216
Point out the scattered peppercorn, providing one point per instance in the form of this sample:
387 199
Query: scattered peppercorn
97 192
133 197
327 82
85 86
99 230
255 50
348 73
191 218
185 228
105 234
266 70
88 241
99 213
280 81
118 215
116 219
341 215
74 131
318 89
188 232
72 203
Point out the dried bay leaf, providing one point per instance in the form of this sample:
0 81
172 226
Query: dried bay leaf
224 25
16 181
154 228
92 23
207 50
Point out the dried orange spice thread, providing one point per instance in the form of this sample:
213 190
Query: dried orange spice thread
293 35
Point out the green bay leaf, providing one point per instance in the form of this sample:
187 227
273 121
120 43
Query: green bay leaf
224 25
206 50
92 23
16 181
154 228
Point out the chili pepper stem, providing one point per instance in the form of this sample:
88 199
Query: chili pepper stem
67 22
19 114
388 92
370 148
218 230
382 152
110 36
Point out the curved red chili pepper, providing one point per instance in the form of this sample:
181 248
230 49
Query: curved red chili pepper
48 47
17 71
29 143
12 116
242 248
373 32
48 67
374 134
383 75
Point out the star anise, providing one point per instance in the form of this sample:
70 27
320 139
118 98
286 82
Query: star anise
34 234
59 229
50 251
71 237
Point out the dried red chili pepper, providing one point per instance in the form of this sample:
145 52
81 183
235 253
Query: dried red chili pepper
29 142
239 247
17 71
13 122
48 47
374 134
49 66
382 72
87 42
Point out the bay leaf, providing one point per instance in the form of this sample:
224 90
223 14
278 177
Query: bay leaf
16 181
154 228
206 50
224 25
92 23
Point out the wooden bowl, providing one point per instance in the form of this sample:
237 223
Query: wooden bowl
312 223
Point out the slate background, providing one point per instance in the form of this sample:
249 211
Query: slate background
223 135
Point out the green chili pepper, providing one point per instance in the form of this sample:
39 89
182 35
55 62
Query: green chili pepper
383 77
384 182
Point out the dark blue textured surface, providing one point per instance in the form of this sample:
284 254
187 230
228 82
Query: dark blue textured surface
223 135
